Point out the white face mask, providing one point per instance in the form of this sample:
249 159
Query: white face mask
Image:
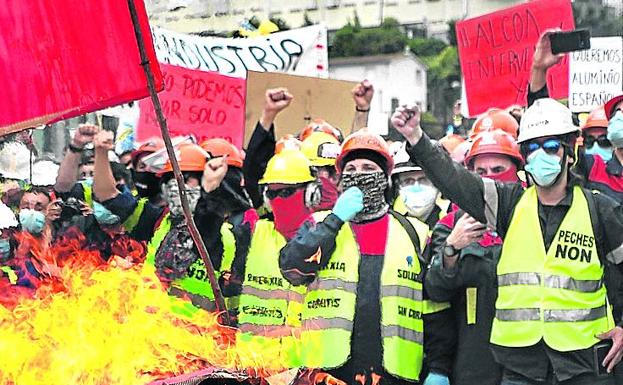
419 199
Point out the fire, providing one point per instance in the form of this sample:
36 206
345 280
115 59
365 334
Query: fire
91 323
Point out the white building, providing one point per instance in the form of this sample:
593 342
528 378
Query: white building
226 15
397 79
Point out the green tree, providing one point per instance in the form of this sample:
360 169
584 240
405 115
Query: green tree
426 47
352 40
600 18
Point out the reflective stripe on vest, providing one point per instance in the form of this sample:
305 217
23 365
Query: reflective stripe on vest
270 308
329 308
87 192
557 294
196 282
431 307
133 219
10 274
229 252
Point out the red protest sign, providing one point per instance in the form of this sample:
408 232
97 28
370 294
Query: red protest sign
204 104
61 59
495 51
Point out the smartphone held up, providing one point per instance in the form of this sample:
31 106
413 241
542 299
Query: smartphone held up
563 42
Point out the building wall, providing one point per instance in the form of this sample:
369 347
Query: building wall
402 79
226 15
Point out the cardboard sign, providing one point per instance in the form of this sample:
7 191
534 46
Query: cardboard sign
495 51
204 104
330 100
300 51
61 59
596 75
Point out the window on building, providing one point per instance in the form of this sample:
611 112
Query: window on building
419 77
333 3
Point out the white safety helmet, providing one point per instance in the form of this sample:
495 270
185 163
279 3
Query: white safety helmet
546 117
401 158
44 173
15 161
7 217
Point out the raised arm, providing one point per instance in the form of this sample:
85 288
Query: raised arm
262 144
104 185
462 187
362 95
68 171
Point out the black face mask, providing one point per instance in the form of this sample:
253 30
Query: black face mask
147 184
373 185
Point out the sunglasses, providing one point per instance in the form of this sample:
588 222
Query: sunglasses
281 193
602 141
550 146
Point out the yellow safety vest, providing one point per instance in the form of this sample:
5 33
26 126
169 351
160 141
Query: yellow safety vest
557 294
195 285
270 307
131 222
329 307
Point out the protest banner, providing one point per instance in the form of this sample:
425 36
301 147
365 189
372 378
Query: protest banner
314 98
301 51
204 104
596 75
65 58
495 51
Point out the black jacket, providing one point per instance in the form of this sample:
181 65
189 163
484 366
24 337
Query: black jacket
471 287
493 203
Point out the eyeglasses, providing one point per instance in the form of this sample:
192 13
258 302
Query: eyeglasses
602 141
550 146
281 193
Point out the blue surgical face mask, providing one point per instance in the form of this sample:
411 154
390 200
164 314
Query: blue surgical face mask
604 153
103 216
615 130
5 249
543 167
32 221
87 181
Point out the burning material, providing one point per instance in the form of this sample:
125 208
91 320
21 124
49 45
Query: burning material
93 323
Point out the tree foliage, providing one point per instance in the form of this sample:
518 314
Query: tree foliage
352 40
600 18
426 47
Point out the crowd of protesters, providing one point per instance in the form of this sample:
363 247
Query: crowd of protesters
492 256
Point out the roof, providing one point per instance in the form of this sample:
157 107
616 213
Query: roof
382 59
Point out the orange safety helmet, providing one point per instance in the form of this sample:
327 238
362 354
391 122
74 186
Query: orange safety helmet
218 147
190 156
495 119
150 146
495 142
596 119
450 142
287 141
320 125
365 140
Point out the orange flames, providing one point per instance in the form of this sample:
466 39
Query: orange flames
94 323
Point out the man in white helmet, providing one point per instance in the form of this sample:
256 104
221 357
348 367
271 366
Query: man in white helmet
414 194
552 320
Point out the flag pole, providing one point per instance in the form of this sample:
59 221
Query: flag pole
162 122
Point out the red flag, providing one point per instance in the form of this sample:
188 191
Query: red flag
63 58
